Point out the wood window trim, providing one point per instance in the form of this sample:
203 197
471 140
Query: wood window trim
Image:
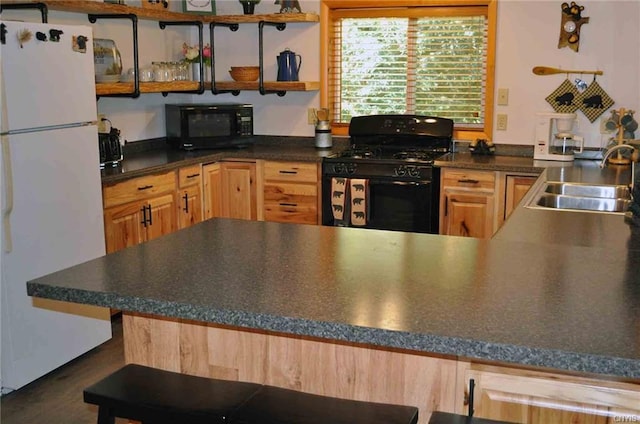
492 13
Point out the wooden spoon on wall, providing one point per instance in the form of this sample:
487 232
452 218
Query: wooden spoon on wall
545 70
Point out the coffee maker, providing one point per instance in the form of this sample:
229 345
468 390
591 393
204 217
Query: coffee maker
554 137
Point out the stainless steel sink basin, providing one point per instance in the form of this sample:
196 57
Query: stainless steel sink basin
601 204
582 197
587 190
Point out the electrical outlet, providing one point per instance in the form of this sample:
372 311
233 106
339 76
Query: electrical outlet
501 124
311 116
503 96
102 125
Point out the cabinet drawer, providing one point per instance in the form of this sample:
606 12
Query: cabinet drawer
299 213
138 188
189 176
290 193
469 179
291 171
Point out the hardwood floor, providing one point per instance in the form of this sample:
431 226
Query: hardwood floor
56 398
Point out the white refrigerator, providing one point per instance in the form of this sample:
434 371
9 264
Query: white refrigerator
51 198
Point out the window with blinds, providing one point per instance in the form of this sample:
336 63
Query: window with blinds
426 61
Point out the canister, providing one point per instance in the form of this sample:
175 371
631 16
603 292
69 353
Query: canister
323 134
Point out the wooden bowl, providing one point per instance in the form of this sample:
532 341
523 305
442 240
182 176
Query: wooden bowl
245 73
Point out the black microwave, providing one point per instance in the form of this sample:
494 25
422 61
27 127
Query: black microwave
209 126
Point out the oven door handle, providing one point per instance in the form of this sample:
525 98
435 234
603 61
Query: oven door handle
402 183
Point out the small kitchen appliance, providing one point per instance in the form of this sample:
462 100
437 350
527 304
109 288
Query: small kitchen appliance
209 125
554 137
110 148
386 179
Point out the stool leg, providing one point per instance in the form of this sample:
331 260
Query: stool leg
104 416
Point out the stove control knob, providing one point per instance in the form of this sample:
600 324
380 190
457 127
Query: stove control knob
414 171
351 168
400 171
338 168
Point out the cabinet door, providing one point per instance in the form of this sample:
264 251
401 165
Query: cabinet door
468 214
189 201
516 187
190 206
212 190
161 216
535 398
123 225
238 190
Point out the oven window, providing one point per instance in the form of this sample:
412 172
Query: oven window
209 124
401 206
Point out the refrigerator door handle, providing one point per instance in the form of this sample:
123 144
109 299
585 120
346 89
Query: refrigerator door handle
7 190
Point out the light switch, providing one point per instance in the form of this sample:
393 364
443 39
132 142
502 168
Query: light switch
501 124
503 96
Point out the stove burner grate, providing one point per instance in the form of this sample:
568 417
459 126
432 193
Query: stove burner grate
420 155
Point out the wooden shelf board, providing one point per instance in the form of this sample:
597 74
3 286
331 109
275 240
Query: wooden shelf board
159 87
270 85
156 14
145 87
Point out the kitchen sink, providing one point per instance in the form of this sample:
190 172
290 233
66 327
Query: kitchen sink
559 201
582 197
587 190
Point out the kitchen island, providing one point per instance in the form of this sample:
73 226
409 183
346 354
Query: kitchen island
366 314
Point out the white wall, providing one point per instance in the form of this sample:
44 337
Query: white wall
528 33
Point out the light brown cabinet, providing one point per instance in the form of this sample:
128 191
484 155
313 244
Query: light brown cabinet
190 193
516 186
138 210
532 397
239 194
230 190
211 186
291 192
468 203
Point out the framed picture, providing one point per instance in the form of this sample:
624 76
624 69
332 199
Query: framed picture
201 7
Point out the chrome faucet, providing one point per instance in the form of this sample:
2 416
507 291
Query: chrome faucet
633 163
613 149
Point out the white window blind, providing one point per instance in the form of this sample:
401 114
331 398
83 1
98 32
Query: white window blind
427 65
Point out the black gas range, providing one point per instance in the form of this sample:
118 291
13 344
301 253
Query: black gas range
386 179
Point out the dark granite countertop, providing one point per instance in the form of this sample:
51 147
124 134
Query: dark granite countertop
553 289
466 160
562 307
264 147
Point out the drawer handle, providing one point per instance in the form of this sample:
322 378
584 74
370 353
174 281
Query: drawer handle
288 172
147 187
193 176
468 181
289 204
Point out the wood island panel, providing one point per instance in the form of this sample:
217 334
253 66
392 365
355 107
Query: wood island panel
308 365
